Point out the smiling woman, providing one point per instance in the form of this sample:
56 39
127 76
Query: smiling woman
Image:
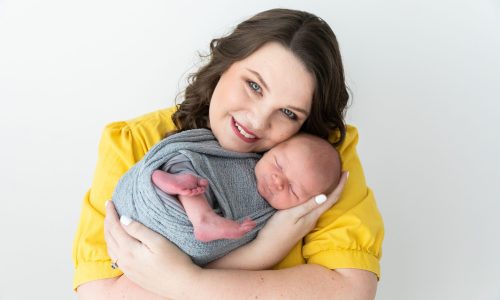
298 50
278 73
248 118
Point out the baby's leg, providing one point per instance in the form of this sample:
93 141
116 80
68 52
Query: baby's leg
209 226
179 184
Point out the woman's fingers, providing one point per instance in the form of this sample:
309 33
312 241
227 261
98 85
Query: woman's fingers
334 196
319 204
308 206
111 243
116 236
139 232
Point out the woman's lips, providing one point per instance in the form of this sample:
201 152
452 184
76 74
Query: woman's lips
242 132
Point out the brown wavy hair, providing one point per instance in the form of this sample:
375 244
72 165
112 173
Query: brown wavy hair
304 34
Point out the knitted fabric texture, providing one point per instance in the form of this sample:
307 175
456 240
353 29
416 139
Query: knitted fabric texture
232 192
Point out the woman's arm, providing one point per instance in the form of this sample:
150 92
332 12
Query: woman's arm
114 288
122 144
307 281
301 282
283 230
247 257
154 263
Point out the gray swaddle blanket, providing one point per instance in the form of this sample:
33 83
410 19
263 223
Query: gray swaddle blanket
232 192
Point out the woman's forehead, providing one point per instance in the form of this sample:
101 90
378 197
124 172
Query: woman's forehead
284 75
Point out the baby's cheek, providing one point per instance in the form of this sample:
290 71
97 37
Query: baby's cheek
284 203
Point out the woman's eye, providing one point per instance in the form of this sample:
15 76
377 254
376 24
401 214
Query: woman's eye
289 114
254 86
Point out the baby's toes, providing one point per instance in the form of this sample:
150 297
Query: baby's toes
197 191
248 225
202 182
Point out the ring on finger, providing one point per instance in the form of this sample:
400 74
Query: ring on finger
114 265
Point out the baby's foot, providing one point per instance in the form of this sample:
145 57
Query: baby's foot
214 227
179 184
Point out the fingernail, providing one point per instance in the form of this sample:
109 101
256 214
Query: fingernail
106 203
125 220
320 199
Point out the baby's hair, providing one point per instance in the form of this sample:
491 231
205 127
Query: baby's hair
325 161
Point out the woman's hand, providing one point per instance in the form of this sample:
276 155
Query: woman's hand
146 257
283 230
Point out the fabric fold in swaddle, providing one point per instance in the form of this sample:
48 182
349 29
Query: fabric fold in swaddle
232 192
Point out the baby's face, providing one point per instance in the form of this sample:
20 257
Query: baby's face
286 176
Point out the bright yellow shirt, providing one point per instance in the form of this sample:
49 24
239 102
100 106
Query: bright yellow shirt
349 235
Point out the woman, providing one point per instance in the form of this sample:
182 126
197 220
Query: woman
278 73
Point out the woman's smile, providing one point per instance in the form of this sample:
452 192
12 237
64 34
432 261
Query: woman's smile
242 132
257 102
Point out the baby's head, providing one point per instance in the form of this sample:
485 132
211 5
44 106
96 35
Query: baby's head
296 170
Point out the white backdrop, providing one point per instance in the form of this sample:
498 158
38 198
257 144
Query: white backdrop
425 77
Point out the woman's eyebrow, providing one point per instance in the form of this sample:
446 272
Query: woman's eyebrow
260 78
305 112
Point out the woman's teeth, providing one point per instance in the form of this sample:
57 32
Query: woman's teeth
243 132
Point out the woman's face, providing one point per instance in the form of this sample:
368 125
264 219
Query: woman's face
261 100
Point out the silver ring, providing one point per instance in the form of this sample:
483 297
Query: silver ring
114 265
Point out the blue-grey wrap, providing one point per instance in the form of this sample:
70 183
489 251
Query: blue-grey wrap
232 192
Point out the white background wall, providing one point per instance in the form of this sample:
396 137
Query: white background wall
426 83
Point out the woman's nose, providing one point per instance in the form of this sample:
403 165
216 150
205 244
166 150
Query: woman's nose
278 181
260 117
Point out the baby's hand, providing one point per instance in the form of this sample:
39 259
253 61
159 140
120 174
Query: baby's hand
185 184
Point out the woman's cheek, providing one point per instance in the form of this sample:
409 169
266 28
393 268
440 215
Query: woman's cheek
288 129
243 95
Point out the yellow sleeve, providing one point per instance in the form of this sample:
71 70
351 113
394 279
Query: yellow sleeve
122 145
350 234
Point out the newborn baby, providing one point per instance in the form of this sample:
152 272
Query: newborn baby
287 175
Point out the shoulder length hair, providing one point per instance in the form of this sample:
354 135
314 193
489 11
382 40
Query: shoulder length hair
307 36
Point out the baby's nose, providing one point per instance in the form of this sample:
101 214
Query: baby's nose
278 181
